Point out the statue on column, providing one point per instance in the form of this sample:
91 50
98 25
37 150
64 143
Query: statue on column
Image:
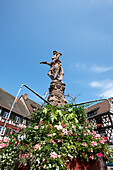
56 71
57 87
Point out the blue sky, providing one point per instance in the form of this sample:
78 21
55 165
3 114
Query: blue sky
82 30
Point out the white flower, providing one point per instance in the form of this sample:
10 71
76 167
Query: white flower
54 134
45 110
65 131
23 137
19 137
70 109
88 131
50 165
38 161
59 127
76 120
59 111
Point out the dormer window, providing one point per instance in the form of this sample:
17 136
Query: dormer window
92 112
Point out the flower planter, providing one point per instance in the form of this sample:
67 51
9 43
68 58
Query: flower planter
80 165
99 125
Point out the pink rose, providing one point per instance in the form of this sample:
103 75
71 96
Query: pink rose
91 150
84 144
86 133
60 141
102 141
14 139
65 131
105 138
2 145
16 143
37 146
41 122
5 139
63 125
52 141
44 142
53 155
36 127
91 157
93 143
21 126
97 136
18 130
59 127
50 135
100 155
19 155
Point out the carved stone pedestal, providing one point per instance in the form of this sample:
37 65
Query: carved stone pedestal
56 93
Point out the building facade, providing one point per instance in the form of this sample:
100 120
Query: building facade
20 114
100 116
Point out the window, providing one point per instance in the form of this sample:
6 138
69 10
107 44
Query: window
2 130
24 121
17 119
99 120
8 131
5 115
1 112
12 117
92 112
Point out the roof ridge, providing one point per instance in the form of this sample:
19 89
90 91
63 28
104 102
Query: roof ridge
6 92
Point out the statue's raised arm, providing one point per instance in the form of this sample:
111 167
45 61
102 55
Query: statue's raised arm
45 62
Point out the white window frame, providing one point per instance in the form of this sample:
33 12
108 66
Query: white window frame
24 121
0 111
17 119
2 130
6 115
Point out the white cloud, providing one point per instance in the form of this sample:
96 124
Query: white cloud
102 1
99 69
93 68
80 66
107 93
106 87
96 84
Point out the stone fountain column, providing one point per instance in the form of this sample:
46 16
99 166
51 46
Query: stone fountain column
57 87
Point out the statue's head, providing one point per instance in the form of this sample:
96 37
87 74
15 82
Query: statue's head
55 52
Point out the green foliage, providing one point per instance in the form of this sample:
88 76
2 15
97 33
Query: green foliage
55 136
